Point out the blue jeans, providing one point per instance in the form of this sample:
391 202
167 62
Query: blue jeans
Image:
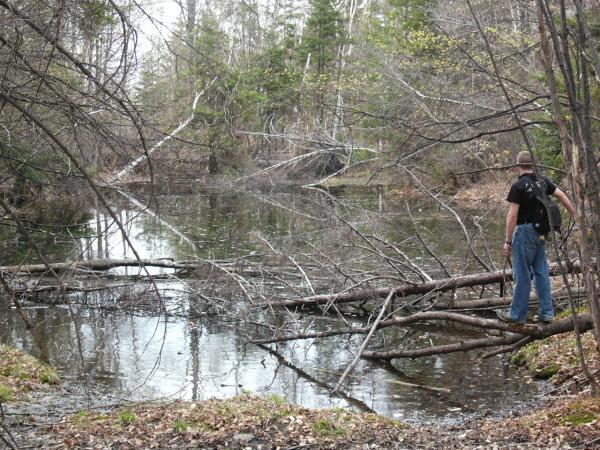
529 257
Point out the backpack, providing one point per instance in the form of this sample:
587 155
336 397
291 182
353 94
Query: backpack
544 205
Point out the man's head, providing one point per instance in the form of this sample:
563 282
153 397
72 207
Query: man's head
524 161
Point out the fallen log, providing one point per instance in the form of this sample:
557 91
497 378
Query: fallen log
98 264
499 301
403 290
462 346
537 331
106 264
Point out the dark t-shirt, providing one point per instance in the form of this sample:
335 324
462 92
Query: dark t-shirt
521 192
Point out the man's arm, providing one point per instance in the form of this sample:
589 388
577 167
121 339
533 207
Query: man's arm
511 223
564 200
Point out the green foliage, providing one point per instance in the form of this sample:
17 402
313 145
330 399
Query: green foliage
81 417
409 31
48 375
211 49
437 169
361 155
323 34
409 15
548 148
97 14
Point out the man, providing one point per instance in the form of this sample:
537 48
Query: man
527 246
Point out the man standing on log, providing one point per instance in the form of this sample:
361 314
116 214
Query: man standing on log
527 246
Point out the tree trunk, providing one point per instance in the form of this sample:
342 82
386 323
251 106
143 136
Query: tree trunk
442 285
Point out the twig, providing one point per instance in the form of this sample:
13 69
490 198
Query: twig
365 342
508 348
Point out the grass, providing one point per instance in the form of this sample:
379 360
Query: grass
325 427
181 425
277 399
579 418
5 394
126 417
48 375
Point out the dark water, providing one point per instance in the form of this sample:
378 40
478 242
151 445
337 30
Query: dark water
139 354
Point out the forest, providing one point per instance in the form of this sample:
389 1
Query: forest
280 224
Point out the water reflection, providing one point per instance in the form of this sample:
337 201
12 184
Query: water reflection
143 356
153 357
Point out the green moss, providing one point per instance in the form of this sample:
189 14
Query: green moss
21 373
544 373
519 359
81 418
581 417
7 371
393 422
527 353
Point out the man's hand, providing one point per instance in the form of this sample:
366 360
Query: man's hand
507 249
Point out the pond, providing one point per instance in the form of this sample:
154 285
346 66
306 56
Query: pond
142 354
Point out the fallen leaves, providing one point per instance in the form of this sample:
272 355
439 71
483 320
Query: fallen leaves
235 423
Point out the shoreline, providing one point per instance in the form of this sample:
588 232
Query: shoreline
567 416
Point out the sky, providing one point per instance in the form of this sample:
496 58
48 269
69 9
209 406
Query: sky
165 14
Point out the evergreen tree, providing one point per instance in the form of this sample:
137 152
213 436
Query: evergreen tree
324 33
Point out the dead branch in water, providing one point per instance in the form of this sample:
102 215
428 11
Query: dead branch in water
403 290
584 322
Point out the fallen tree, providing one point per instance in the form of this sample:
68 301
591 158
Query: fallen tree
403 290
495 302
535 330
518 332
98 264
107 264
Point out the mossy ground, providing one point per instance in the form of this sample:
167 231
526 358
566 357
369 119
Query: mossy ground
21 373
556 357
